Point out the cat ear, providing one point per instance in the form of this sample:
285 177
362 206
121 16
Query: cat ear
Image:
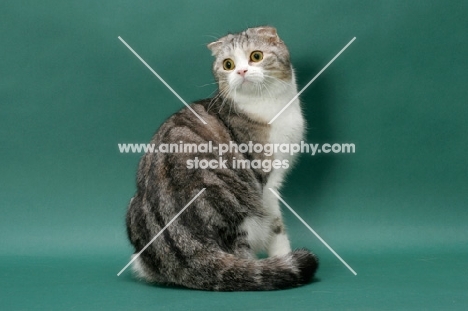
267 32
214 47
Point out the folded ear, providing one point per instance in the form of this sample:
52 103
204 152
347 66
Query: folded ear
214 47
267 32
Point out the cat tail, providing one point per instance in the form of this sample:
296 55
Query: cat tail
226 272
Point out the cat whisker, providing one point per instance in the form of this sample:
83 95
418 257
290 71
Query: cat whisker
267 88
276 79
225 96
208 84
230 106
214 99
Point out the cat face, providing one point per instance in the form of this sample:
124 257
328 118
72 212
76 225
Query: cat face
252 62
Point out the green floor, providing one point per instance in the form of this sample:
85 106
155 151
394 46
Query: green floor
396 210
414 280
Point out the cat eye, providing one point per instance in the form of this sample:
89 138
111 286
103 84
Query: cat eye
228 64
256 56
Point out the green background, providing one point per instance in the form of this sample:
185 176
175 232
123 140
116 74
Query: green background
396 210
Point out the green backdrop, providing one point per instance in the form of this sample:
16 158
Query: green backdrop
396 210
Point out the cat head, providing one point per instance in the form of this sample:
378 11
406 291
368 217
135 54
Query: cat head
252 62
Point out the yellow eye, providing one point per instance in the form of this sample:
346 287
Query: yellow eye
256 56
228 64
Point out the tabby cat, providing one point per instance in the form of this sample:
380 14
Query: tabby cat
213 244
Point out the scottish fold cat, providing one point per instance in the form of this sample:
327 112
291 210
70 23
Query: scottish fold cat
214 242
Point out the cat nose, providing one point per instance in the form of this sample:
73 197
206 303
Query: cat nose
242 72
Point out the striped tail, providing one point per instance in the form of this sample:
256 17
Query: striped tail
225 272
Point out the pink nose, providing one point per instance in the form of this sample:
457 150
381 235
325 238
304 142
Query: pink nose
242 72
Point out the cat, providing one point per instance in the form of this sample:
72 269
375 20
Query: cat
213 244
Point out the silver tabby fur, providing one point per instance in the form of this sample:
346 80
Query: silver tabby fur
208 247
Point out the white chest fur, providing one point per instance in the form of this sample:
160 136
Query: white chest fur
287 128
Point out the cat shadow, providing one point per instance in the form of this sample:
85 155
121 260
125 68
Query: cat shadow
181 288
135 280
308 178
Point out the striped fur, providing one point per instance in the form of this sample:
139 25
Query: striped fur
212 245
